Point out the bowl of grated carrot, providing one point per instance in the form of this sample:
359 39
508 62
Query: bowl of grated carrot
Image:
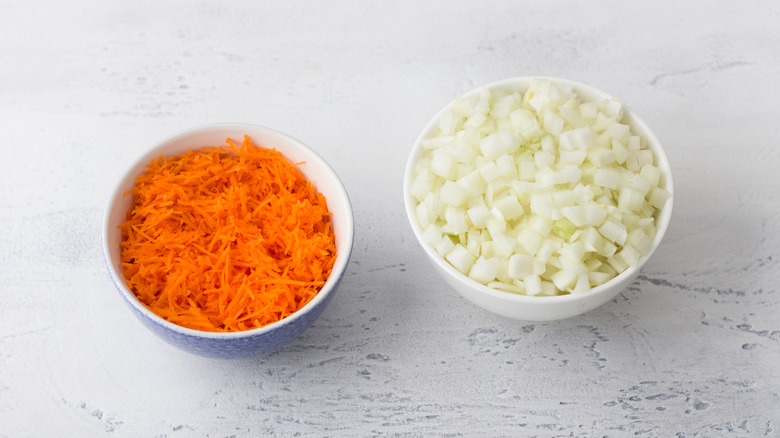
228 240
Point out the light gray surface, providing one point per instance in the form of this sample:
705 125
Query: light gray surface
692 348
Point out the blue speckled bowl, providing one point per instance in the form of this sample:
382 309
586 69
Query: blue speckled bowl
250 342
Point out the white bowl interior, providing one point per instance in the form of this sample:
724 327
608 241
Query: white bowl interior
535 307
313 167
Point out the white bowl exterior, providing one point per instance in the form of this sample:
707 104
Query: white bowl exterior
534 308
312 166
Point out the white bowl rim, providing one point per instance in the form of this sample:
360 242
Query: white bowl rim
334 278
662 223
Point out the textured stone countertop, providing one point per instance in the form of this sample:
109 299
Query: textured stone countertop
692 348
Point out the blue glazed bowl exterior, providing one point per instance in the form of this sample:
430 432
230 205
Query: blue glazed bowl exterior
251 342
219 346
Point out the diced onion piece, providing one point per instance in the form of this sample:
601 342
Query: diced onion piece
505 166
464 106
574 268
548 145
614 231
659 197
473 183
545 250
572 117
549 177
593 214
522 265
474 242
495 227
432 234
573 252
464 148
606 177
483 103
453 194
505 105
600 157
585 194
497 214
542 204
544 159
484 270
548 289
652 174
563 280
581 138
582 285
596 278
553 123
614 108
422 184
529 240
504 245
569 174
448 122
526 169
633 143
641 184
617 131
498 143
575 215
589 110
533 285
434 204
628 256
564 198
563 228
455 219
644 157
543 94
486 248
630 199
437 142
489 171
526 187
632 163
423 216
479 215
639 240
592 240
523 120
442 164
541 225
575 157
475 120
509 206
592 264
506 287
620 151
460 258
444 246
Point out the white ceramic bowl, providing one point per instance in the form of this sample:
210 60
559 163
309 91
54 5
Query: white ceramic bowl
250 342
541 308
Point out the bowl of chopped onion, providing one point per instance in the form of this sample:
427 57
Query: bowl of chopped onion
228 240
538 198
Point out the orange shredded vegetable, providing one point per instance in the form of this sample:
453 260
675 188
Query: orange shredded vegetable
226 238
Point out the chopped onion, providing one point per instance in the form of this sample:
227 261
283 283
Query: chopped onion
460 258
484 270
535 192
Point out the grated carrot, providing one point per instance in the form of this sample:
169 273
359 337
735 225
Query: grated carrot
226 238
